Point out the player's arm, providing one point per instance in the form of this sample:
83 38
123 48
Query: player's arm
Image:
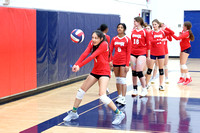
128 52
84 54
111 49
182 36
102 48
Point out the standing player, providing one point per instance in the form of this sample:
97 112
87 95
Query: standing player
98 48
168 38
122 45
104 29
157 51
140 45
186 36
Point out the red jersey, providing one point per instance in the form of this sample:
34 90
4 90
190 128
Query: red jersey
108 38
169 37
185 40
140 42
122 50
100 56
157 45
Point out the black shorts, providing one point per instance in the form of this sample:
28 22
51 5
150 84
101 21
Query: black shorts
98 76
153 57
118 65
136 56
188 50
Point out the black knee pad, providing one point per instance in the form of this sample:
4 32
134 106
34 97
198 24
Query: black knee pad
161 71
140 74
134 73
149 71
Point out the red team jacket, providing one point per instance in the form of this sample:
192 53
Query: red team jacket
140 42
122 50
100 56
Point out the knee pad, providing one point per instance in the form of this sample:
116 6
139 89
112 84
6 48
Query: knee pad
80 94
118 80
183 66
140 74
123 80
149 71
165 67
161 71
105 99
134 73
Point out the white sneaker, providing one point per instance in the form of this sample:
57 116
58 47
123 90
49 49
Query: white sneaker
118 99
71 116
166 81
144 92
161 88
135 92
153 81
118 118
122 101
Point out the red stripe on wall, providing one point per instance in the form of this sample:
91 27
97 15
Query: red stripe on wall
17 50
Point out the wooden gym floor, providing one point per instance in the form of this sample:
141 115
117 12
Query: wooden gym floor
177 109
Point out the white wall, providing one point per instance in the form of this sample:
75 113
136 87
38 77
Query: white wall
171 12
127 9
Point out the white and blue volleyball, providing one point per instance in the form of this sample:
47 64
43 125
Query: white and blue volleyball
77 35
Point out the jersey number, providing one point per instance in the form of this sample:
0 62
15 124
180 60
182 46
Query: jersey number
136 41
119 49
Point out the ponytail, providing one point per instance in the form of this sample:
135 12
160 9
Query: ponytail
188 25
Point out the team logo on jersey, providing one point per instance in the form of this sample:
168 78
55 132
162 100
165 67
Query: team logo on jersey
158 36
138 36
119 43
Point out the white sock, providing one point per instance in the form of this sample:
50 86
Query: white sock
120 95
183 75
187 75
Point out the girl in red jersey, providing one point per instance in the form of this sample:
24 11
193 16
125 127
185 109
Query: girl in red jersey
122 45
168 38
98 48
139 47
104 29
186 36
157 38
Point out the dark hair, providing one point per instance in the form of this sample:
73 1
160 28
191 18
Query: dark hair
103 27
123 24
140 20
188 25
100 35
149 26
158 22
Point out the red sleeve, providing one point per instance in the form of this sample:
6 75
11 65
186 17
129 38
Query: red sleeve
168 29
85 53
111 49
169 38
182 36
128 52
147 40
102 48
167 33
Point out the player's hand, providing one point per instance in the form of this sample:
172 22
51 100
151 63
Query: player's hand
77 68
111 64
73 68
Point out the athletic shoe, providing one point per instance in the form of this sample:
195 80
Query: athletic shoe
135 93
181 80
118 99
161 88
71 116
166 81
118 118
153 81
144 92
187 81
148 86
122 101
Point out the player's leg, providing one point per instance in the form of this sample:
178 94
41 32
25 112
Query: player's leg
155 69
134 75
161 72
149 71
166 68
118 81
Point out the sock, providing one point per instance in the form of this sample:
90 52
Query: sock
187 75
117 111
74 109
166 78
120 95
135 87
183 75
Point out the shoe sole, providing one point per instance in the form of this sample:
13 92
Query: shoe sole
120 121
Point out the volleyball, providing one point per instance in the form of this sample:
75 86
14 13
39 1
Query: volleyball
77 36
